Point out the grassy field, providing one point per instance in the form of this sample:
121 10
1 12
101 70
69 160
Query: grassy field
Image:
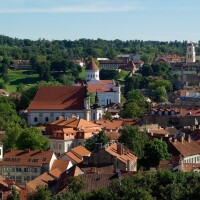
17 77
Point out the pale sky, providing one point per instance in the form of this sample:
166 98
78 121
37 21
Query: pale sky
162 20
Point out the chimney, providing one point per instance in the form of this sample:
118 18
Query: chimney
189 138
182 139
120 148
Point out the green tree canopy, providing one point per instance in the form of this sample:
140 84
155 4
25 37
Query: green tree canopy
134 139
31 138
99 138
154 151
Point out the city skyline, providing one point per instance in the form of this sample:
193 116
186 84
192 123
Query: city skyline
106 19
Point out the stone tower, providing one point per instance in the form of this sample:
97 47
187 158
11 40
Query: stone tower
190 54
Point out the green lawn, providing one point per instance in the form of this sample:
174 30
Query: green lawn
123 74
16 77
82 74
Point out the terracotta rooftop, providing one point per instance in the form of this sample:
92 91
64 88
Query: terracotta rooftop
106 82
59 166
110 124
26 158
92 66
98 88
76 154
41 180
113 135
186 148
160 131
125 156
59 98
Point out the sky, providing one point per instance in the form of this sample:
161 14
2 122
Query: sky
160 20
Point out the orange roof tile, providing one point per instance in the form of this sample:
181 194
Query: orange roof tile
98 88
127 155
186 148
26 158
59 98
41 180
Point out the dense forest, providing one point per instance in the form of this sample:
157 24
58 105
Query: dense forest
25 48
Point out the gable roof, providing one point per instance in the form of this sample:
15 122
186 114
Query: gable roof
92 66
59 98
41 180
186 148
126 153
76 154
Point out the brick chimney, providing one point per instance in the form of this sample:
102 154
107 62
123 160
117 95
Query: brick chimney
120 148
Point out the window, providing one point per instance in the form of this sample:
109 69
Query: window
35 119
26 169
59 146
18 169
93 116
46 119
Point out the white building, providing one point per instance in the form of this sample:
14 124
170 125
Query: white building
190 54
108 91
52 102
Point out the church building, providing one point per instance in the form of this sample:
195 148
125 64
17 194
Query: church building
108 91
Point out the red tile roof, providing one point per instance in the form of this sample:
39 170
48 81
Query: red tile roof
26 158
125 156
59 98
105 82
41 180
76 154
186 148
98 88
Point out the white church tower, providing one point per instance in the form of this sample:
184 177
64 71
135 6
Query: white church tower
190 54
92 73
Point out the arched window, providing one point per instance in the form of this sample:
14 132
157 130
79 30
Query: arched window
35 119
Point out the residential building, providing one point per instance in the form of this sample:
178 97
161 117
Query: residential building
113 154
187 149
25 165
70 133
47 178
75 155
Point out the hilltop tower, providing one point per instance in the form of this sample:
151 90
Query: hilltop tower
190 54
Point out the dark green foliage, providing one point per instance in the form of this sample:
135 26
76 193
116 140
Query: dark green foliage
100 138
109 74
135 105
42 193
31 138
154 151
14 195
134 139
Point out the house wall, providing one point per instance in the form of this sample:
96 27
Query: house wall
52 115
62 146
108 97
192 159
20 174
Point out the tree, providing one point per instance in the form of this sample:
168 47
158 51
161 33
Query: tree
154 151
14 195
100 138
134 139
146 70
106 74
160 94
31 138
75 184
42 193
